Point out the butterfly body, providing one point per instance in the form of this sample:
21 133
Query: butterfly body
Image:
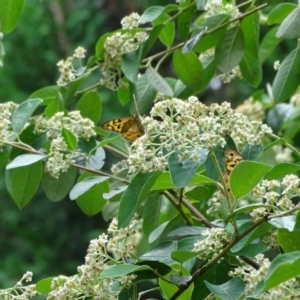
130 127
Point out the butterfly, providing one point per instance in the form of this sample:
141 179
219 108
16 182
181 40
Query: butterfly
231 159
130 127
226 178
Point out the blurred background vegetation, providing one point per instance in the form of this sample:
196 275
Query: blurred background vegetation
51 238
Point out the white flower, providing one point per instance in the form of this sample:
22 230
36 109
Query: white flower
276 65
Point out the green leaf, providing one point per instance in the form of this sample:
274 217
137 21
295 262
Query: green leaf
253 235
186 231
22 183
245 176
212 39
209 70
121 270
167 34
182 172
44 285
97 160
289 241
165 181
134 195
163 229
145 94
280 12
24 160
131 64
282 268
251 69
230 50
250 64
154 12
152 38
287 222
188 68
92 201
249 207
169 289
230 290
10 12
115 194
71 89
252 152
281 170
23 112
161 252
54 106
268 44
151 214
287 78
158 82
85 185
297 224
124 92
4 156
70 139
99 49
181 255
278 115
48 94
57 189
184 19
90 106
217 274
280 141
289 28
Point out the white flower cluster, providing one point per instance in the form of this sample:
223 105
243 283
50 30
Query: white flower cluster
60 157
217 7
285 291
186 126
6 111
20 292
131 21
215 241
87 284
117 45
66 67
252 109
119 167
276 194
229 76
283 154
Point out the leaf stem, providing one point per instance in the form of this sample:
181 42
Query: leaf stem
177 205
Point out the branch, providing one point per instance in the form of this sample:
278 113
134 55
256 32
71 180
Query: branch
207 32
177 205
201 271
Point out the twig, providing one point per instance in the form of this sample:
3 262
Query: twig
201 271
177 205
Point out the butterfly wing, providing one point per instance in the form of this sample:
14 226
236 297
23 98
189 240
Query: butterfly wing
118 125
129 127
134 131
226 178
231 159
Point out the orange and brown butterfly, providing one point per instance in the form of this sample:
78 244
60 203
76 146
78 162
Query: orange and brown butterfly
231 159
130 127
